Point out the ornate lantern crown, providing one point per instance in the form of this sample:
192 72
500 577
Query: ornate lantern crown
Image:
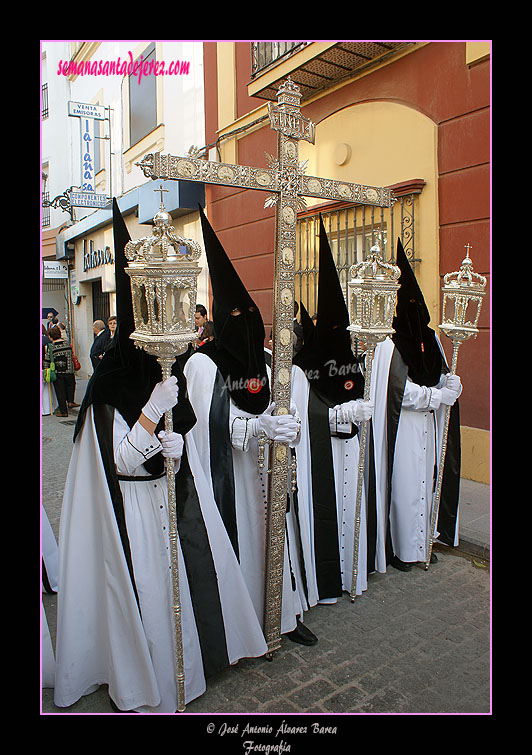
372 292
464 289
163 269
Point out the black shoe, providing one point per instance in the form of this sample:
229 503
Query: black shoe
302 635
401 565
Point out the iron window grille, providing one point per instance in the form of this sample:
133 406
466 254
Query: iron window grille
352 231
45 217
44 102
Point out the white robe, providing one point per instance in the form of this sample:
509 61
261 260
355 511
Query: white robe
102 638
49 552
48 398
417 450
250 493
49 549
345 453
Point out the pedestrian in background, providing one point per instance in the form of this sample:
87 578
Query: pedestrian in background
49 401
51 320
201 319
111 324
64 333
60 352
101 339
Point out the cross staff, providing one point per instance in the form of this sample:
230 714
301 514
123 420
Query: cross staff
160 190
287 184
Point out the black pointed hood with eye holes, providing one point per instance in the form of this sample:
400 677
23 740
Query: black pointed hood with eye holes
415 341
238 346
126 375
327 357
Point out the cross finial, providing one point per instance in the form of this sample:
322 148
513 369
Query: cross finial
468 247
161 190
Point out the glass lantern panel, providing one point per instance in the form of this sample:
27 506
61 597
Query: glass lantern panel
449 309
142 303
390 309
177 306
378 310
471 312
354 310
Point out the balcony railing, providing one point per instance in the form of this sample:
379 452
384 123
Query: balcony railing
265 53
323 66
44 101
45 217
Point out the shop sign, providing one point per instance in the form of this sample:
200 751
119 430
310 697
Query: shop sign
53 269
95 257
86 114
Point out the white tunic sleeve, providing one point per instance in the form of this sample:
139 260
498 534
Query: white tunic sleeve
240 429
132 447
419 398
336 426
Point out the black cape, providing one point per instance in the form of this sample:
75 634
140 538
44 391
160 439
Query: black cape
124 380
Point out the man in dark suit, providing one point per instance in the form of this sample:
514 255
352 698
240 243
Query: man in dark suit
101 338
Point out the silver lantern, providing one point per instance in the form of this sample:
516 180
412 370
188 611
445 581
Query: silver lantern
372 292
164 270
462 300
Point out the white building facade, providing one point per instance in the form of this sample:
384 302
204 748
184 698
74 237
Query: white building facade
126 99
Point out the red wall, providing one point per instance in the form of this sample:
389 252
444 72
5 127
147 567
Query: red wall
434 80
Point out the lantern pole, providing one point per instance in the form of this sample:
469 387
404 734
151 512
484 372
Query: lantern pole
159 270
462 287
166 370
372 294
361 464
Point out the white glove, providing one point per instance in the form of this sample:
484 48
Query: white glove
162 399
453 383
451 390
172 444
283 428
448 396
355 411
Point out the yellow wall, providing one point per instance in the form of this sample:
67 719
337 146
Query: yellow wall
475 445
388 143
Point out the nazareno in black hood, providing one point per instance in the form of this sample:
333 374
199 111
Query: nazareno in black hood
327 357
238 345
414 339
126 375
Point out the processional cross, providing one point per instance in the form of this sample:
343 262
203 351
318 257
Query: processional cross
161 190
287 184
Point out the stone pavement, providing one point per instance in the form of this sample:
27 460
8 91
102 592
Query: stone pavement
413 643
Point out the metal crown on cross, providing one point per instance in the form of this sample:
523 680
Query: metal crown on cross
287 184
